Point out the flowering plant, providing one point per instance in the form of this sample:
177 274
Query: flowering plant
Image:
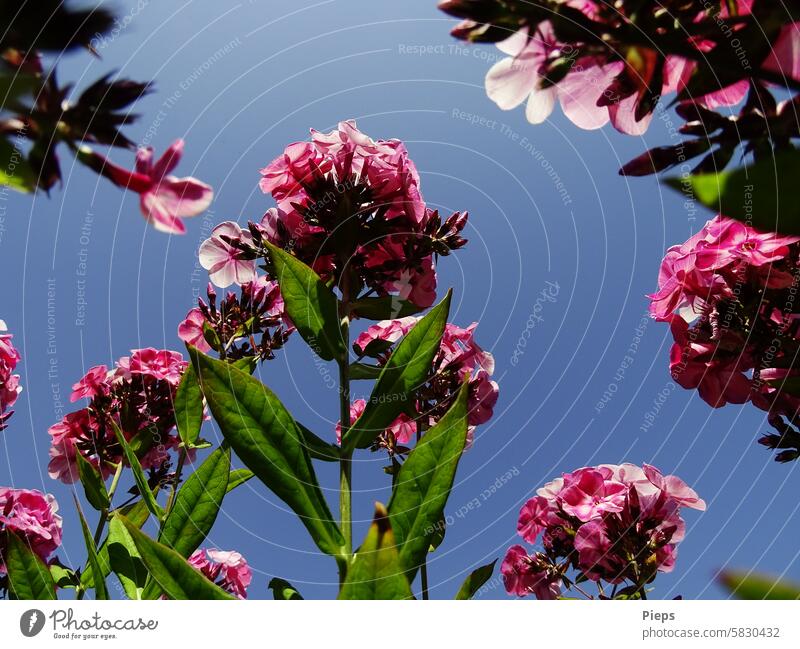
729 296
615 525
350 239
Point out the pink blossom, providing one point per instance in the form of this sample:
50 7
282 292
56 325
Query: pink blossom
785 55
690 272
228 569
163 199
587 494
9 382
483 394
403 428
717 376
95 382
191 331
522 577
459 349
384 333
160 364
675 488
520 76
225 262
535 517
595 555
32 516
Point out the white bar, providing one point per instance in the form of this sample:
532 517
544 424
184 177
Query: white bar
390 625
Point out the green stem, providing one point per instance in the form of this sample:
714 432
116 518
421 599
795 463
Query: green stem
346 460
423 569
178 471
101 523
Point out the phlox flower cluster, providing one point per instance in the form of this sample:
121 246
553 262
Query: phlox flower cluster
33 517
351 208
137 395
9 382
459 357
226 568
616 525
252 323
729 294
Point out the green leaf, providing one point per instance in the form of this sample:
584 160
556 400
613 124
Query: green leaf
197 504
195 510
246 364
376 572
476 579
406 370
15 171
93 485
238 477
264 436
763 194
28 576
282 589
189 408
173 573
363 371
424 483
138 475
744 584
311 305
318 448
98 581
137 513
387 307
125 560
64 577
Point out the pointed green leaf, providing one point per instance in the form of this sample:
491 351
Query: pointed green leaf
763 194
238 477
63 576
28 576
195 510
264 436
376 572
364 371
386 307
749 585
137 513
98 580
15 171
93 486
189 408
138 475
311 305
282 589
406 370
173 573
424 483
125 560
318 448
197 504
476 579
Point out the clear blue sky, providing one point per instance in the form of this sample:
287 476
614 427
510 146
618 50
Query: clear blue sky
240 82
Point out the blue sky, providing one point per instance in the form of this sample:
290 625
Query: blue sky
85 280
